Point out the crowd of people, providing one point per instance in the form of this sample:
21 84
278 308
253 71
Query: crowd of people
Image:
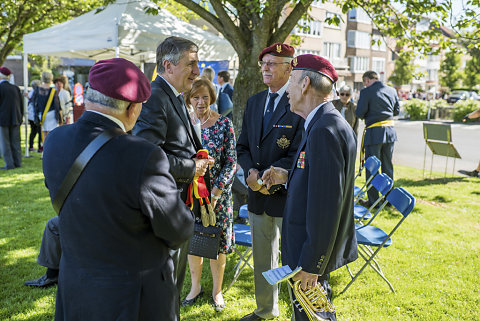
124 225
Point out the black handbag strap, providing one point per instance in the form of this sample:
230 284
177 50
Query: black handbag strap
79 165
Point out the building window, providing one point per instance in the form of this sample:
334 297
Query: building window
358 39
432 74
378 65
332 15
310 28
358 64
307 51
332 50
379 43
317 3
359 15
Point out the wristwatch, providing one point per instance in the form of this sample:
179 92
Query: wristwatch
259 181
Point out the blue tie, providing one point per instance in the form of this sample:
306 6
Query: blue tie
269 112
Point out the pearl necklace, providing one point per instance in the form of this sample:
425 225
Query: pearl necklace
209 114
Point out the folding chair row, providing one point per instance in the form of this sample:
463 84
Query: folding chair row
383 184
372 164
243 237
369 236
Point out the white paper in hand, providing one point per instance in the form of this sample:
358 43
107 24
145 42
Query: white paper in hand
280 274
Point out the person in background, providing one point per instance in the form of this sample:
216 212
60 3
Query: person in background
475 172
218 138
223 79
34 128
11 114
270 136
64 96
208 73
347 107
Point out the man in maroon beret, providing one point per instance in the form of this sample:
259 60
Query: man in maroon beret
116 223
11 114
318 229
270 137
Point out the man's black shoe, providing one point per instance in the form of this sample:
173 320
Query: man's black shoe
251 317
473 173
364 203
240 220
42 282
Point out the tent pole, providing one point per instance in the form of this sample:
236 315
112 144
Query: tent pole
117 48
25 100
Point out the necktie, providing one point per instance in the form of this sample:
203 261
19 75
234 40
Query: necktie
269 112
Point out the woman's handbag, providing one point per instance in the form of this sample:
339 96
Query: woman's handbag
205 241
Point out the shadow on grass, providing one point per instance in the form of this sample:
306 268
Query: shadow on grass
424 182
476 192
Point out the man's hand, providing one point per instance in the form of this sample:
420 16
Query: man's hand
252 180
201 166
307 280
274 176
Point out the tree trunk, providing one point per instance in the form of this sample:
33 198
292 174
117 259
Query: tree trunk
247 82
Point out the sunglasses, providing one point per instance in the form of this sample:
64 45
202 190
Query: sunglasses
344 94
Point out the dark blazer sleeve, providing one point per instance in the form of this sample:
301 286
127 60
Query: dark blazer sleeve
362 104
160 201
243 147
325 189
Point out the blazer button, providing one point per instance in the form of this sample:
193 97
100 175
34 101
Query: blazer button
258 147
258 164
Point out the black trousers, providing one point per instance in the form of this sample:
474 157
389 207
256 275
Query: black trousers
34 130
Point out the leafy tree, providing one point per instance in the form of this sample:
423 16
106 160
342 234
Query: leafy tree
471 78
449 69
19 17
404 69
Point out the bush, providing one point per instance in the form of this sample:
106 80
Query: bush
464 107
416 109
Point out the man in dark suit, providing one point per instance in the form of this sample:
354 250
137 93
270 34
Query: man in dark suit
377 105
270 137
115 225
165 122
318 229
223 79
11 113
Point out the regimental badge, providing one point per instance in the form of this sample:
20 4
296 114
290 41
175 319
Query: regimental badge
301 160
295 62
283 142
279 48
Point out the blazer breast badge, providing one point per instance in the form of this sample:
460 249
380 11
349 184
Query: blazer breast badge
301 160
283 142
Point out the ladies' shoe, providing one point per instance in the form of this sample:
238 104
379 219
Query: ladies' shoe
218 307
189 302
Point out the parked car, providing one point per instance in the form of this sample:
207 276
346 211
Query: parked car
462 95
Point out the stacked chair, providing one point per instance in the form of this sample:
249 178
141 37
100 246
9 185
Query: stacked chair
372 164
243 237
370 237
383 184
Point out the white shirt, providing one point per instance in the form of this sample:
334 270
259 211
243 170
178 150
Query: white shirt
115 120
280 93
311 115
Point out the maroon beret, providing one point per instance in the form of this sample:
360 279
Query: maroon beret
120 79
278 49
317 64
5 71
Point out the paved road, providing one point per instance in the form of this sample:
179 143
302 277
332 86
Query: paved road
409 149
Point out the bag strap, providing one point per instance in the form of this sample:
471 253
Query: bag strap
49 103
79 165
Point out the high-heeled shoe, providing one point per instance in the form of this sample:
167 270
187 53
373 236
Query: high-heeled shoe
189 302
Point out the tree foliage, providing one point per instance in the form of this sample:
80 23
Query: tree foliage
450 70
20 17
471 78
404 69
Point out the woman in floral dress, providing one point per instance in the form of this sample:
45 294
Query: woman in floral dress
219 139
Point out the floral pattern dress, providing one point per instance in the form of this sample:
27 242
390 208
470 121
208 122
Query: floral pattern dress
219 140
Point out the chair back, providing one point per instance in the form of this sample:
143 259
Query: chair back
402 200
373 165
439 132
382 183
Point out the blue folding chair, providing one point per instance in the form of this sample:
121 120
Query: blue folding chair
383 184
372 164
371 236
243 211
243 237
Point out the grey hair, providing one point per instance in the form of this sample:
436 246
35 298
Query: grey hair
346 89
173 49
320 83
47 77
35 83
4 76
208 72
117 105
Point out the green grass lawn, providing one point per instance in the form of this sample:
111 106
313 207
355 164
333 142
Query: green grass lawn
433 262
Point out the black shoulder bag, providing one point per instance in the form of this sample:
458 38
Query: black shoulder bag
79 165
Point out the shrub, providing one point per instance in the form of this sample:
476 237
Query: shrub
416 109
464 107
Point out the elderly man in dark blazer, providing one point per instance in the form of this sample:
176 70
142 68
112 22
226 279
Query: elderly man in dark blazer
377 105
11 113
165 121
115 225
270 137
318 229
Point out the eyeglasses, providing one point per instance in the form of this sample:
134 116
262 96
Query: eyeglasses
344 94
270 64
